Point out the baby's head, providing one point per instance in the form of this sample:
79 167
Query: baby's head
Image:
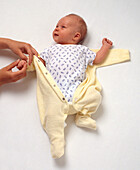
70 29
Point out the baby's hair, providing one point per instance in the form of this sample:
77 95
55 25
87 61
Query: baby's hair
82 25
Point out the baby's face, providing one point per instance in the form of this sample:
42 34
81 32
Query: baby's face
65 31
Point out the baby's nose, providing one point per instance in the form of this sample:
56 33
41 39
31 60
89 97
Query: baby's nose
57 28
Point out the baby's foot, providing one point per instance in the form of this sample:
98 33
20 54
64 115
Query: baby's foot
85 121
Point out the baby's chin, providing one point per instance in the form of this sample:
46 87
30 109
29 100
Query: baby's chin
63 42
55 38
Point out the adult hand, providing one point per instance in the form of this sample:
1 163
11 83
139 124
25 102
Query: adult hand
7 76
21 48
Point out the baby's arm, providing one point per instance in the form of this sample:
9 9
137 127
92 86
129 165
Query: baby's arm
102 53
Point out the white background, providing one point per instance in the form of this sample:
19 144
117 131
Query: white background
116 144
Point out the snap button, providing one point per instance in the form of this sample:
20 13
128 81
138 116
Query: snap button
38 60
54 85
46 73
63 98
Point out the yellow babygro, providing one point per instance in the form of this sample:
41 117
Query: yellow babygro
54 108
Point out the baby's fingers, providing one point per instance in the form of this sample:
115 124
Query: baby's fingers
108 41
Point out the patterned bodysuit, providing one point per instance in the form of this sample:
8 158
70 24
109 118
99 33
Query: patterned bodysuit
67 65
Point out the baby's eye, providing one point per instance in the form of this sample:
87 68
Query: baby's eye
63 26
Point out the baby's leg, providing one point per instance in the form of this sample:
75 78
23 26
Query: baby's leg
53 112
52 109
54 127
86 121
91 104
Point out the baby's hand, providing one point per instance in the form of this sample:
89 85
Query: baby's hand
21 64
107 42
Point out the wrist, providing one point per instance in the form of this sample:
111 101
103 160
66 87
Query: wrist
107 46
9 43
5 43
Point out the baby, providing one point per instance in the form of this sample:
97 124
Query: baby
67 60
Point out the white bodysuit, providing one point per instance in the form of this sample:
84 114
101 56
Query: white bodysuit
67 64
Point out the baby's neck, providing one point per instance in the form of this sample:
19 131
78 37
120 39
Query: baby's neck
67 43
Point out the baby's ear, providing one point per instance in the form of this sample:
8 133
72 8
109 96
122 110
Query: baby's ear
77 36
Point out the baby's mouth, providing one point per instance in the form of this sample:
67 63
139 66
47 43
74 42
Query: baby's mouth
56 34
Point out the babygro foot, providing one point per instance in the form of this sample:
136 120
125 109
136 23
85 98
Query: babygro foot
57 150
85 121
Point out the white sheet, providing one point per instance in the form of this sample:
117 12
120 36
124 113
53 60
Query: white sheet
115 145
